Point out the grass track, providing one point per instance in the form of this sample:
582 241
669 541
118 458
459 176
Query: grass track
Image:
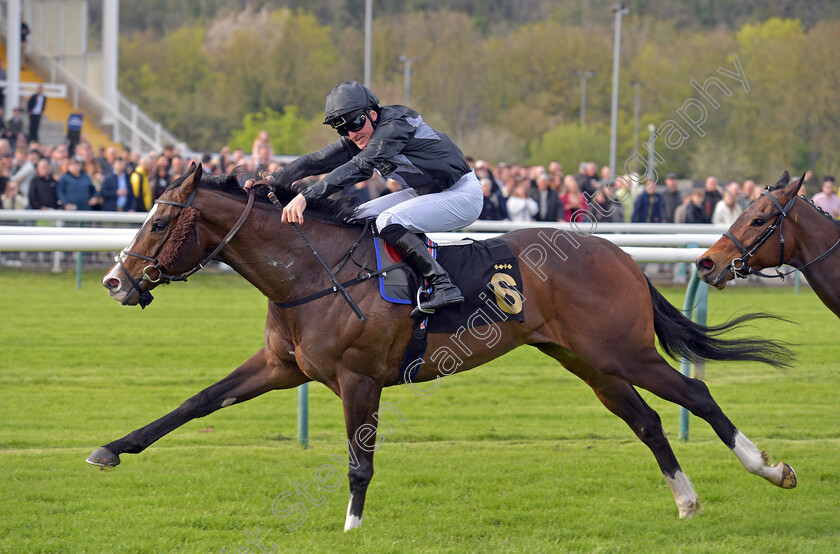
518 456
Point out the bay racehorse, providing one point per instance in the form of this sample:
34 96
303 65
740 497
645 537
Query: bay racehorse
779 228
585 301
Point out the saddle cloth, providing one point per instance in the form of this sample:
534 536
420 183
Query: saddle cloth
487 272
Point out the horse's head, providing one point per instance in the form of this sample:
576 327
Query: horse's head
165 247
747 246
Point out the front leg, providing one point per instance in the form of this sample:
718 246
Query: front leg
360 397
263 372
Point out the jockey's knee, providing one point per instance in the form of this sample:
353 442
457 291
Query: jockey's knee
383 220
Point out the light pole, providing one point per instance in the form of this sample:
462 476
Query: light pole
407 76
651 145
368 38
638 105
584 75
619 10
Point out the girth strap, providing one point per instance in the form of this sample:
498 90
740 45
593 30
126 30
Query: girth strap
326 292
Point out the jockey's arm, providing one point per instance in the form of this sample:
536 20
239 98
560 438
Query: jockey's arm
316 163
385 144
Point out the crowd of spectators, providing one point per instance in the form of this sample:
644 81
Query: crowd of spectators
41 177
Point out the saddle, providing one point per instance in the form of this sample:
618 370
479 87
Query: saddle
487 272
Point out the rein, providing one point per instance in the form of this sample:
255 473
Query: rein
337 287
146 296
739 266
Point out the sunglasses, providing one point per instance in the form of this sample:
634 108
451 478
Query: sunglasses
350 123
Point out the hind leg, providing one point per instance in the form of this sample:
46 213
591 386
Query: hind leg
622 399
650 371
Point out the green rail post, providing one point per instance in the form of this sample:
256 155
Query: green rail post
796 281
303 414
696 303
79 266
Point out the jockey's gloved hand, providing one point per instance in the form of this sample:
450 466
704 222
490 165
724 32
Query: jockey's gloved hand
263 180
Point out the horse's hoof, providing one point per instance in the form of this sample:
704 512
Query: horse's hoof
788 480
690 509
103 457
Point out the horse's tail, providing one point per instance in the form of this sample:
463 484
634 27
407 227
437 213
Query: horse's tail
681 337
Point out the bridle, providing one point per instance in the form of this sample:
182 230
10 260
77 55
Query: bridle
739 266
146 296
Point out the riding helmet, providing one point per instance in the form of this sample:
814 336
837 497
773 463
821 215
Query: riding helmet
347 97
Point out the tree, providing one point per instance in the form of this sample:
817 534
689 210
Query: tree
286 131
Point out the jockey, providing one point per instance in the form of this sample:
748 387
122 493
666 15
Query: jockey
441 191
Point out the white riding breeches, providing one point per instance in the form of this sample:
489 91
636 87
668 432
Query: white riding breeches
451 209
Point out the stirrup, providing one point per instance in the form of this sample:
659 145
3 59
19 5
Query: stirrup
418 309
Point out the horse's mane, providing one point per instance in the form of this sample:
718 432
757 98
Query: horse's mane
327 210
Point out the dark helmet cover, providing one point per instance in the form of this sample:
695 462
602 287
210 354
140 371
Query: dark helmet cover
347 97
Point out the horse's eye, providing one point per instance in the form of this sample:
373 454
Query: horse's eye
158 226
757 222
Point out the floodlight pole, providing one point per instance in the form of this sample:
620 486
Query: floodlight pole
368 33
636 113
584 75
407 77
619 10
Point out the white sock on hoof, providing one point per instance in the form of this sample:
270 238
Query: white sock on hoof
755 460
684 495
352 521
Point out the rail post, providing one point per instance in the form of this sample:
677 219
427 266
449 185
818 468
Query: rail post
695 308
303 414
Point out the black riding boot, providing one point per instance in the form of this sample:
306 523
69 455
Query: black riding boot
444 292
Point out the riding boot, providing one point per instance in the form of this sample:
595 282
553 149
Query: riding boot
444 292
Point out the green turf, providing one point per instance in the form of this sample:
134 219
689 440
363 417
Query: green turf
517 456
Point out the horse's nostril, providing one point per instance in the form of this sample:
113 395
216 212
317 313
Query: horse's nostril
706 263
111 283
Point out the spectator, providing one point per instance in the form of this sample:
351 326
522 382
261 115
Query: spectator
648 207
57 159
604 209
262 148
550 208
176 167
24 34
727 210
95 174
106 162
42 189
117 194
680 212
827 198
35 107
671 198
74 189
140 185
710 198
747 194
694 210
520 207
582 177
23 169
573 201
12 199
491 210
15 127
160 180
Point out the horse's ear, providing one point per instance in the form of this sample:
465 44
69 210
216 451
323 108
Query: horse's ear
192 179
798 184
783 181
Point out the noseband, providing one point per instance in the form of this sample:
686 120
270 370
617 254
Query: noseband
739 266
146 296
